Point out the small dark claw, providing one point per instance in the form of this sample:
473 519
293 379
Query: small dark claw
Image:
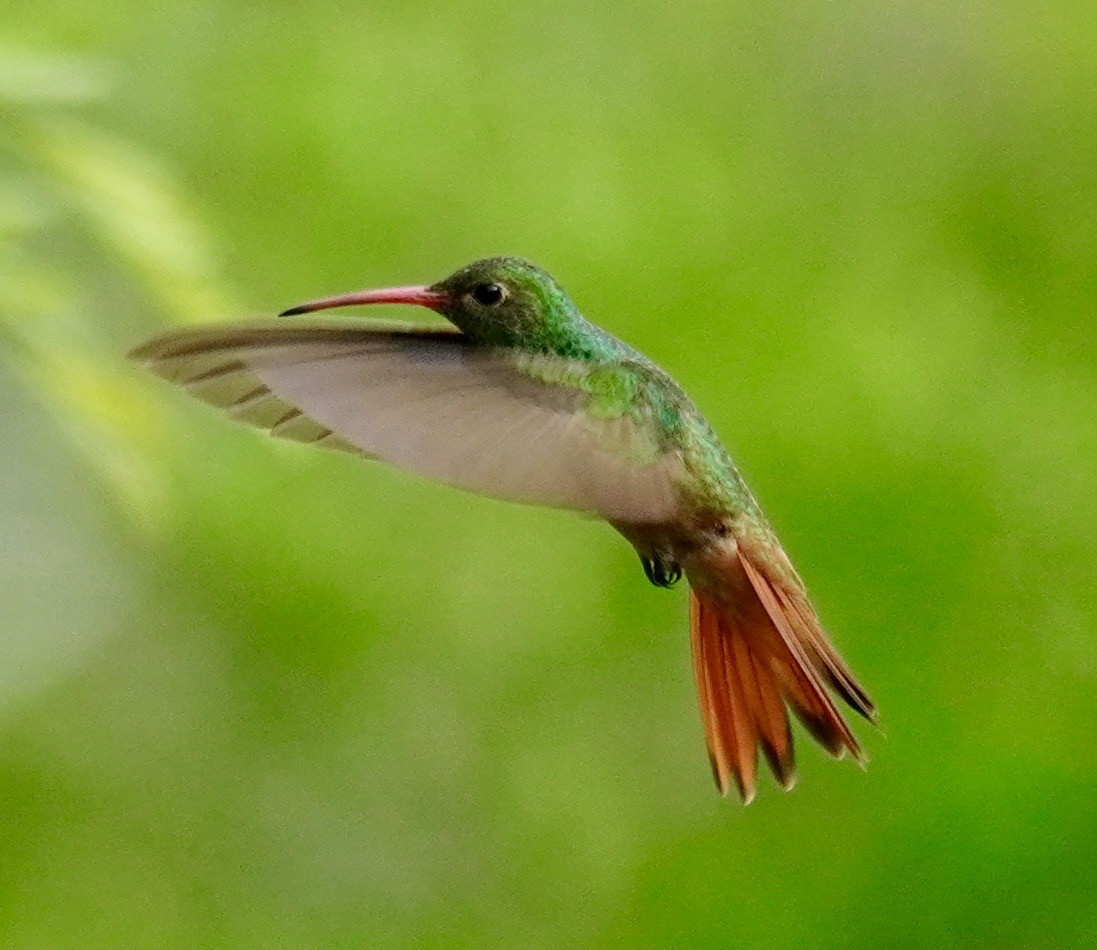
661 573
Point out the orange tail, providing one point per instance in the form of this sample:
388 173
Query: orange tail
757 645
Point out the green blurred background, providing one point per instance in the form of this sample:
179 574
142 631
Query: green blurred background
253 695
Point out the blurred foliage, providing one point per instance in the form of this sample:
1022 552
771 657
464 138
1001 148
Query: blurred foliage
252 695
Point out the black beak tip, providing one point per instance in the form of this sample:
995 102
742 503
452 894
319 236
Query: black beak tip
293 311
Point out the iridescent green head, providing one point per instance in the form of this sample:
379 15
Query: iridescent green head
499 301
503 300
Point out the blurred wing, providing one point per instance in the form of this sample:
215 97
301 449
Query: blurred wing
523 427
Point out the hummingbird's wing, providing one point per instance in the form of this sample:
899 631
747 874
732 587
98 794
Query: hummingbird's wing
514 425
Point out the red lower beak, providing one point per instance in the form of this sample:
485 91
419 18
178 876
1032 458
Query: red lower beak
423 296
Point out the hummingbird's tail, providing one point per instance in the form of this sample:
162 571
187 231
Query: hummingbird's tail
757 645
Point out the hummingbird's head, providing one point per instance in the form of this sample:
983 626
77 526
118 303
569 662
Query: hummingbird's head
503 301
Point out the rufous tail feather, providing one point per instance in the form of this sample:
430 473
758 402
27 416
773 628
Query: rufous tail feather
758 647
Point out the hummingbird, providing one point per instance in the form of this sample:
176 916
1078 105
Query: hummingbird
519 397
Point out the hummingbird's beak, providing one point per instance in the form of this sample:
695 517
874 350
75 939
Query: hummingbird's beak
423 296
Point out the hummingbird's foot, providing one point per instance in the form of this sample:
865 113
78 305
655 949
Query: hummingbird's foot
661 571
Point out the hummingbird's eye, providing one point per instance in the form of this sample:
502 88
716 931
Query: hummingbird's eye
490 294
